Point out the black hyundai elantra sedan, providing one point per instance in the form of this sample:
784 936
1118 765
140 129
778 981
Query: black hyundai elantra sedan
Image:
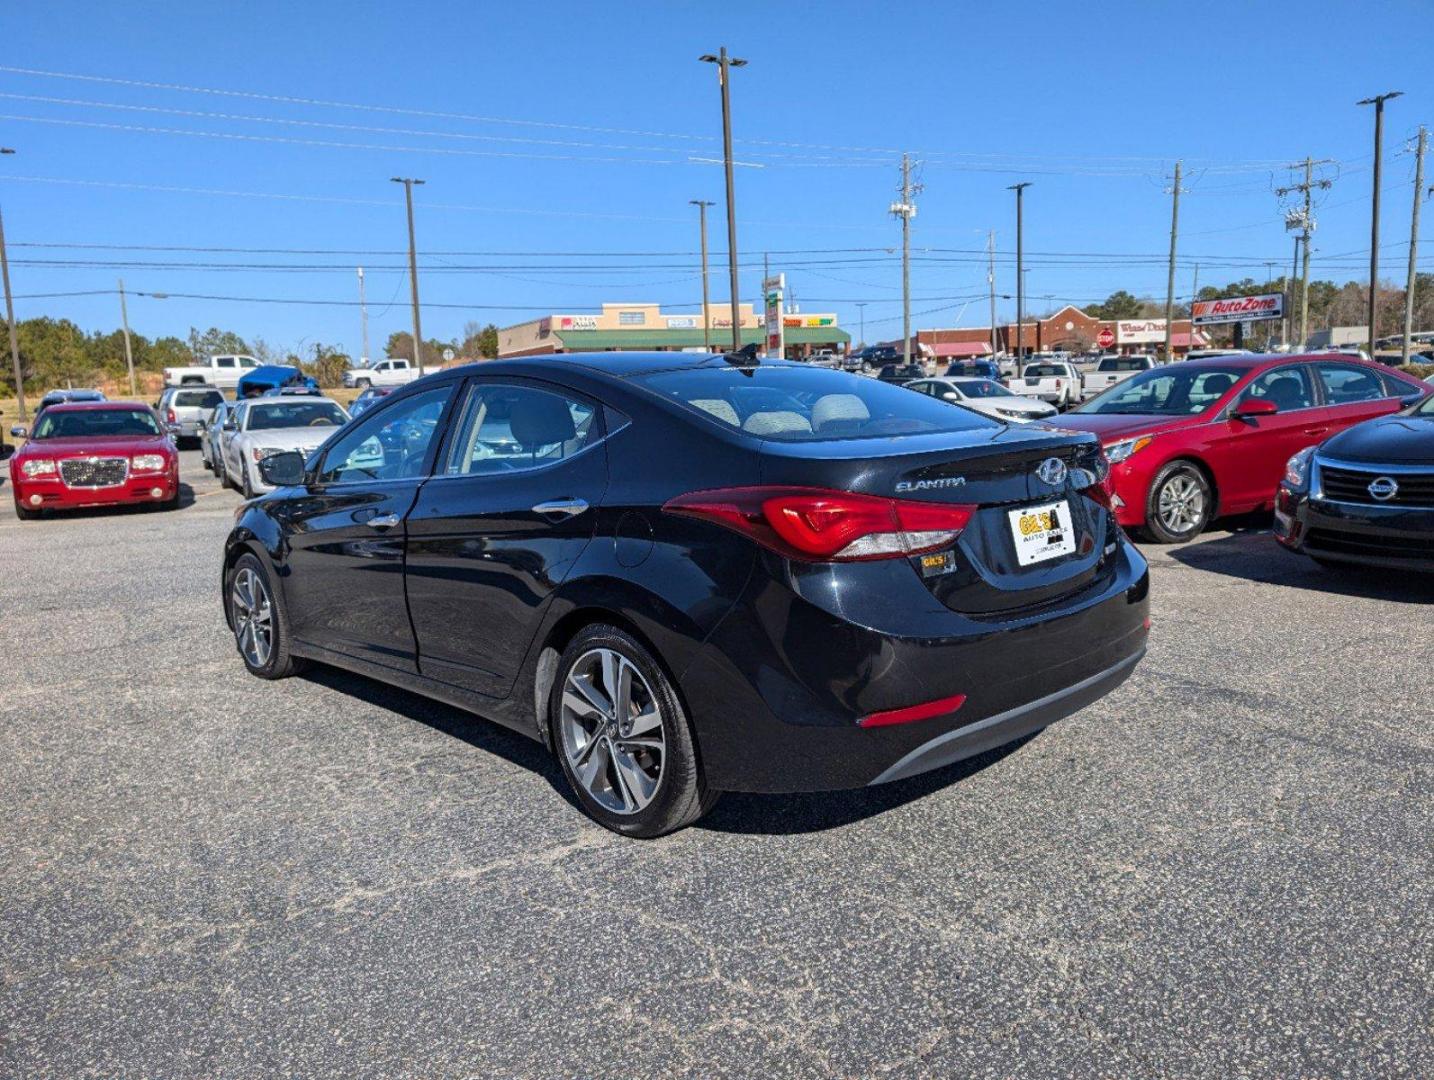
688 574
1364 496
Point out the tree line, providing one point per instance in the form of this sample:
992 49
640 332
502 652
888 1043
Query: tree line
57 353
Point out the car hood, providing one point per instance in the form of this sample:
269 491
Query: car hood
95 447
301 438
1390 440
1112 427
1016 403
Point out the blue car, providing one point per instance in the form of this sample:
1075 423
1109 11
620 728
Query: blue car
271 377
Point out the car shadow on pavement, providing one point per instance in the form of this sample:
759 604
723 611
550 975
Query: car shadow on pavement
817 811
737 812
1257 557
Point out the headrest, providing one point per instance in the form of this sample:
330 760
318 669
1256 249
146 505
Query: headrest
540 419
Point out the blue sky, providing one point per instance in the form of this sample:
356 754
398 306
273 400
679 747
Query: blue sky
1092 103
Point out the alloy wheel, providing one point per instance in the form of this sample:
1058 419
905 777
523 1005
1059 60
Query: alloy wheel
253 617
612 731
1181 505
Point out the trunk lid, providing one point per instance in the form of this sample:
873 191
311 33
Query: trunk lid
1001 474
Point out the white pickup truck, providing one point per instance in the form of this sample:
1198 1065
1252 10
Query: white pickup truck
211 371
1110 370
1054 381
391 372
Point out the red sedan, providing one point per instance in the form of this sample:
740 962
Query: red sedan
1195 439
103 453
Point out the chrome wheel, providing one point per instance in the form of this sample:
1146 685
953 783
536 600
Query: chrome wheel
612 731
1181 505
253 617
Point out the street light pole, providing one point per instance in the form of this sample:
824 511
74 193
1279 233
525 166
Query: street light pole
10 313
1414 242
724 62
128 352
706 305
1019 189
363 319
861 312
1378 102
408 183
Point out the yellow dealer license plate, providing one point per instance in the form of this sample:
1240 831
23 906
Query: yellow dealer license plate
1042 532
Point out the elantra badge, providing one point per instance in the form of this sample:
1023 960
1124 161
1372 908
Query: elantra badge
928 485
1384 488
1052 471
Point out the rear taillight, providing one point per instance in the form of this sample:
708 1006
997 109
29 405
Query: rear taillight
169 415
814 524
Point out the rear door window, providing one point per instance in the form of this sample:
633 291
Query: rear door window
1345 384
508 428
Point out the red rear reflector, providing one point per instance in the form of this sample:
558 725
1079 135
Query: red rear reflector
818 524
940 707
169 415
1147 622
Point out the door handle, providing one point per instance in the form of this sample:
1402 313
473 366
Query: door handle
1315 430
387 521
558 509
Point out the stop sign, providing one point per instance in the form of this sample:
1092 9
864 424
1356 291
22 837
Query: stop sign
1106 338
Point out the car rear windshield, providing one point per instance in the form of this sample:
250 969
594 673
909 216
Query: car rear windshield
808 404
1044 371
1130 364
95 423
294 414
201 399
1172 390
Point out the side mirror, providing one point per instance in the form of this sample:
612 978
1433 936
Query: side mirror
283 469
1251 408
950 395
230 426
19 431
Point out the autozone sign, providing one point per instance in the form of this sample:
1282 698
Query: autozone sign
1238 309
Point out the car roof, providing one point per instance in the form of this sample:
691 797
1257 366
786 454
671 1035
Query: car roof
95 406
1251 361
619 365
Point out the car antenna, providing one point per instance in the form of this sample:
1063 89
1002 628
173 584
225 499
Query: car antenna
746 356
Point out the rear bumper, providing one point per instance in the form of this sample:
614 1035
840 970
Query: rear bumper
776 699
1394 537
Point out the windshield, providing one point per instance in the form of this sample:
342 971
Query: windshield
95 424
982 388
808 404
294 414
1178 390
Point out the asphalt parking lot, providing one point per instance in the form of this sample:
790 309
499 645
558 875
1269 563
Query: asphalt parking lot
1224 868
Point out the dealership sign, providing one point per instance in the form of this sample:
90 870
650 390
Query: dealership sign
1238 309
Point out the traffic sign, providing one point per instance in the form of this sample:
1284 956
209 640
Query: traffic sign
448 355
1106 338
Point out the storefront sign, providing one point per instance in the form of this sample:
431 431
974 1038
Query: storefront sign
681 322
1238 309
1140 331
578 322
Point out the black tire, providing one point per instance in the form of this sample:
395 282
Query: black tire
279 663
1189 505
681 795
25 514
246 489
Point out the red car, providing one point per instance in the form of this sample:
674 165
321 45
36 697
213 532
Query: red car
103 453
1195 439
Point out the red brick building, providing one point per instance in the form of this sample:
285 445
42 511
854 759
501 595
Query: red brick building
1068 330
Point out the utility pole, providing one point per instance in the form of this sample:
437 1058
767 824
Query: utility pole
128 353
1019 189
905 209
1378 102
706 307
1414 240
1288 322
991 287
1303 220
10 313
408 183
724 63
363 319
1170 277
861 313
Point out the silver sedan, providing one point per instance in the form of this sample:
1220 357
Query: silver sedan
986 396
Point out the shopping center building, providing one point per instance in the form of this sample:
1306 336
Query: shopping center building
645 327
1069 330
